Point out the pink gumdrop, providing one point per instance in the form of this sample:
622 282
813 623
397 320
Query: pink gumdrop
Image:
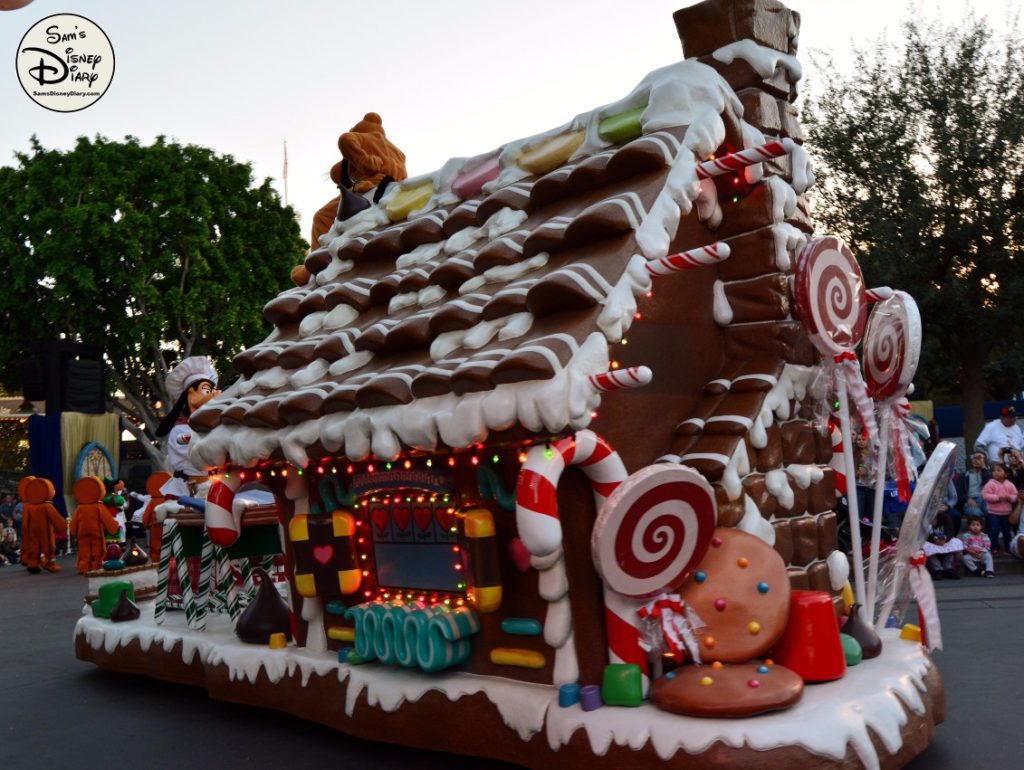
716 541
719 604
469 183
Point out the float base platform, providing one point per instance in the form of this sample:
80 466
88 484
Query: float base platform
880 715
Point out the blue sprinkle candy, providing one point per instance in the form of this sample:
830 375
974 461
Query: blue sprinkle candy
762 669
700 577
670 675
762 587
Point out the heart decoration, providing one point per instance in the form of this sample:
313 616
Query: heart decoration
380 518
400 515
323 553
422 516
445 519
520 556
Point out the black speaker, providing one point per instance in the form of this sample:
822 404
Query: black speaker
33 380
83 387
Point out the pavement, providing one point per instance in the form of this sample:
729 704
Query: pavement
56 711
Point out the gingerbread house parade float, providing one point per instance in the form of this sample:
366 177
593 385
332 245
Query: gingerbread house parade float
545 439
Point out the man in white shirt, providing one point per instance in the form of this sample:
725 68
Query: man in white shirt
1000 434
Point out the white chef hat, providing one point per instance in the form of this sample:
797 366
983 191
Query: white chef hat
189 371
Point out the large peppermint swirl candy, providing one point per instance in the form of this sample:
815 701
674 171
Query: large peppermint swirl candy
892 347
653 530
828 292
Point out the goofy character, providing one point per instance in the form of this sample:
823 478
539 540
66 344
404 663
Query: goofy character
190 384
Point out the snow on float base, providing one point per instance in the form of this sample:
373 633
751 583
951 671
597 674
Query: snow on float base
876 698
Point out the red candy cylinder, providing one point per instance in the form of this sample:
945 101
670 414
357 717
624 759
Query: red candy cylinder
810 645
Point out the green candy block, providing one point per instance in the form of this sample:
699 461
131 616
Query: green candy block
108 595
851 649
622 685
622 127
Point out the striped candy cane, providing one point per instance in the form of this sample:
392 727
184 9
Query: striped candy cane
711 254
618 379
223 517
203 588
541 531
735 161
163 570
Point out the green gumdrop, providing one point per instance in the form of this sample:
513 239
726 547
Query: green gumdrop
622 685
851 650
622 127
109 594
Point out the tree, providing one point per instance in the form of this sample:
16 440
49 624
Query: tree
154 252
921 170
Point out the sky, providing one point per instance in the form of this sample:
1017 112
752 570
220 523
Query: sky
449 77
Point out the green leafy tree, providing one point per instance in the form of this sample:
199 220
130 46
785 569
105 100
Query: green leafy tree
153 252
920 161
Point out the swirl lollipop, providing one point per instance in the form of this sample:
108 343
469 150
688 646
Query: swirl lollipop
892 349
653 530
903 571
828 295
828 292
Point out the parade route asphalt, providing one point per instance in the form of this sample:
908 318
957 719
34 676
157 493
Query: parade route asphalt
56 711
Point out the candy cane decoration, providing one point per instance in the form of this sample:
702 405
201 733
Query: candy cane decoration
735 161
541 531
619 379
711 254
838 461
223 514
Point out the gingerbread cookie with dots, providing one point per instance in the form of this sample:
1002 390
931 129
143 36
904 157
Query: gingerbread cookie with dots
740 590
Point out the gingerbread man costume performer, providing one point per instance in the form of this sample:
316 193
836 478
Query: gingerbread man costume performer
190 384
369 163
40 521
154 484
91 522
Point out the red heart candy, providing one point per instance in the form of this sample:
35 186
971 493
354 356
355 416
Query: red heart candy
422 517
401 518
323 553
380 518
520 556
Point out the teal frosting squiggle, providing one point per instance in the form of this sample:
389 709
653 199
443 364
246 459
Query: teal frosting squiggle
413 635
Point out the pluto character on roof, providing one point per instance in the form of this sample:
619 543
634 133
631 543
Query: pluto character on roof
190 384
369 162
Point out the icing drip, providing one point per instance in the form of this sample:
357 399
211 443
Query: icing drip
334 269
763 60
804 475
788 243
351 362
721 310
422 253
340 317
838 569
778 487
709 211
309 374
312 323
754 523
620 303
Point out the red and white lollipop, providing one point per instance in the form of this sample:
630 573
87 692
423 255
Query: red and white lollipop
828 291
892 347
653 530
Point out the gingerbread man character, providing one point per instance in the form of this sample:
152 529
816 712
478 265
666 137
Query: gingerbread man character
154 484
40 521
190 384
91 522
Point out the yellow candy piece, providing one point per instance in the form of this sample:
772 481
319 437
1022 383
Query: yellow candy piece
754 627
278 641
911 633
508 656
550 153
706 680
339 634
305 584
487 598
408 199
847 596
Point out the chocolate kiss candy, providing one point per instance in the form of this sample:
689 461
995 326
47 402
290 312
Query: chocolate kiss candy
134 556
865 635
125 609
267 614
